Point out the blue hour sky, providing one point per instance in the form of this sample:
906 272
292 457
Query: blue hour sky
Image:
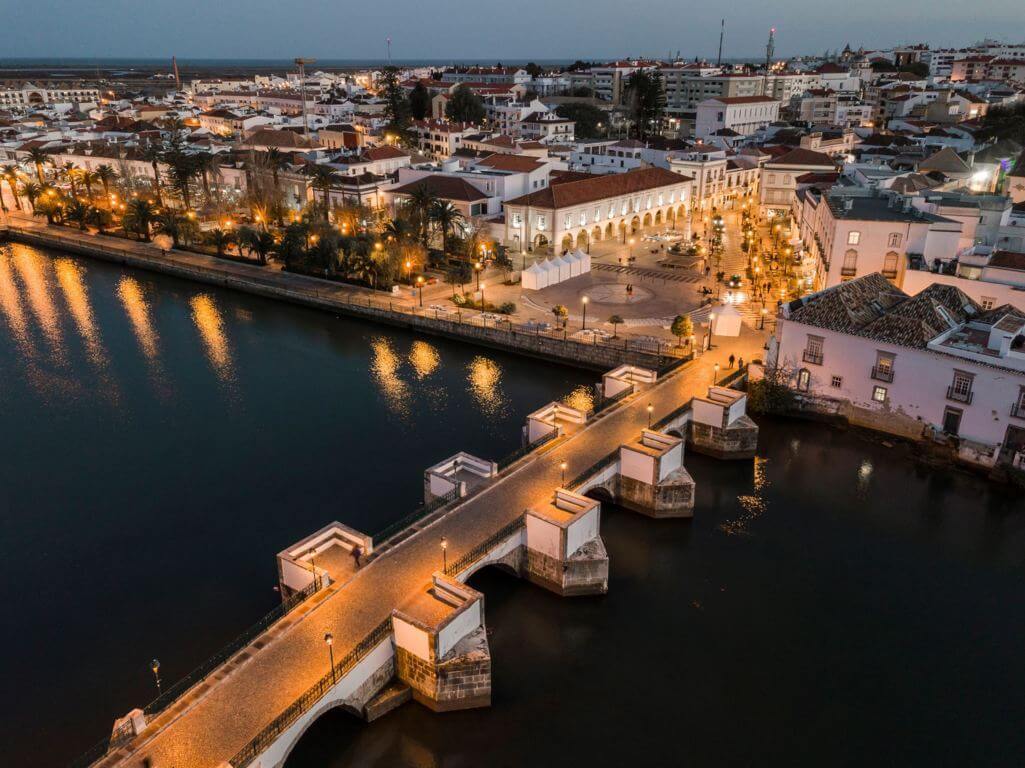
482 29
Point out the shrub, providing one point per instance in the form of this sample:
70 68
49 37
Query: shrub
507 307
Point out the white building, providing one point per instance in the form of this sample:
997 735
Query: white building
933 366
741 114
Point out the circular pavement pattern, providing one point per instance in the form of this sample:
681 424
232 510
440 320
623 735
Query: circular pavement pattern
616 293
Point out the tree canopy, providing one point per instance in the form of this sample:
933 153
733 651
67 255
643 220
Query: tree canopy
465 106
646 99
586 116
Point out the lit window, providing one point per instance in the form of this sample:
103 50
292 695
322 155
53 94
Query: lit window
803 379
879 394
853 238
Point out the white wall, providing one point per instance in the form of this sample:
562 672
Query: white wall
462 625
544 536
413 639
582 530
671 462
636 465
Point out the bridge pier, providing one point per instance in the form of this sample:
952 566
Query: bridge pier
460 473
652 479
441 646
564 550
720 426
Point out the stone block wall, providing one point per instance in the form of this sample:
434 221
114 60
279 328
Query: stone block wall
739 441
461 681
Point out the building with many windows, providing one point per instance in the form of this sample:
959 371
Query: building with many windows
33 95
742 115
934 366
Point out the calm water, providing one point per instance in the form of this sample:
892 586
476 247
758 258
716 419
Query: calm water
162 442
830 604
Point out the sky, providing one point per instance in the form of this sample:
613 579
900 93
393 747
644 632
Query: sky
453 30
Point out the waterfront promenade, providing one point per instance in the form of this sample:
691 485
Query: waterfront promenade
229 709
400 310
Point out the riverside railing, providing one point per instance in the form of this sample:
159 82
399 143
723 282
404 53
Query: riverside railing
309 698
519 453
484 547
416 515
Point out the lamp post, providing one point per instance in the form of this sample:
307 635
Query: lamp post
409 273
583 325
650 409
761 320
444 554
330 641
155 666
420 284
711 328
562 466
478 268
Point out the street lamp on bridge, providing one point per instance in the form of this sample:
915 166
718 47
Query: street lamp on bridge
155 666
444 554
583 325
562 466
329 639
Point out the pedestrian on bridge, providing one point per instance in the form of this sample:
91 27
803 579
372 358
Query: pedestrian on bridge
732 359
357 553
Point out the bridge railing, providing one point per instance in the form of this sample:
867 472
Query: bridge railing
482 549
309 698
416 515
100 749
519 453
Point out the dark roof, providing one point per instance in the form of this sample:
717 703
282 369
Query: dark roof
876 209
804 157
445 187
1007 260
569 193
872 307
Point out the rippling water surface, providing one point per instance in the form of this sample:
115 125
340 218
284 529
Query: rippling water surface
161 442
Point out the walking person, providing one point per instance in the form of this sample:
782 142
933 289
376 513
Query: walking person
732 360
357 553
740 364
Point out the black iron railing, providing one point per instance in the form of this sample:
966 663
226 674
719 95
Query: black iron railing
959 396
99 750
482 549
882 374
416 515
309 698
815 358
594 469
519 453
1018 410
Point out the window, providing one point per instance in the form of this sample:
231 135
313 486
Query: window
890 261
961 388
952 420
813 350
850 263
895 238
836 382
517 220
883 369
879 394
853 238
988 302
803 379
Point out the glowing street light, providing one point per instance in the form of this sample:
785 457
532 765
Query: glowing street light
155 666
583 325
329 639
420 283
562 467
444 554
650 409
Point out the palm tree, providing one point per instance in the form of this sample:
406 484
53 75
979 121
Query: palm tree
70 171
88 179
220 239
77 212
138 217
277 162
420 203
173 225
10 174
38 157
445 216
106 176
400 230
209 166
184 168
99 218
323 178
258 241
31 192
152 154
615 320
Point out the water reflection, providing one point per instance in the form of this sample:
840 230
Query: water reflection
208 322
130 293
385 368
485 378
581 398
30 268
69 276
424 358
10 304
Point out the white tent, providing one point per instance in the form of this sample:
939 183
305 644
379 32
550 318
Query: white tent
574 263
534 277
551 271
585 262
727 321
563 265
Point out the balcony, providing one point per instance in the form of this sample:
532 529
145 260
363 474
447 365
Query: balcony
890 274
1018 410
848 271
882 374
815 358
960 397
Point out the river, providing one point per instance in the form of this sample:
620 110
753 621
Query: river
162 441
832 602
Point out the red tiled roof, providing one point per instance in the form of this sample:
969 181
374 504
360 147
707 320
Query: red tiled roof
444 187
569 193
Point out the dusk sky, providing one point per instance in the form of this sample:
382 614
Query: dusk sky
489 30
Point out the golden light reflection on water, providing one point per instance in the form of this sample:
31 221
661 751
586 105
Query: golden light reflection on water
581 398
385 367
136 307
207 318
424 358
69 276
10 304
485 379
864 477
752 505
32 269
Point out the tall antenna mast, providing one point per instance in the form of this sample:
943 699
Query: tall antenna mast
770 49
389 51
722 34
301 62
177 77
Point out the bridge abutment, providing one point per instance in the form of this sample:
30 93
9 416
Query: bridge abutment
564 550
720 426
